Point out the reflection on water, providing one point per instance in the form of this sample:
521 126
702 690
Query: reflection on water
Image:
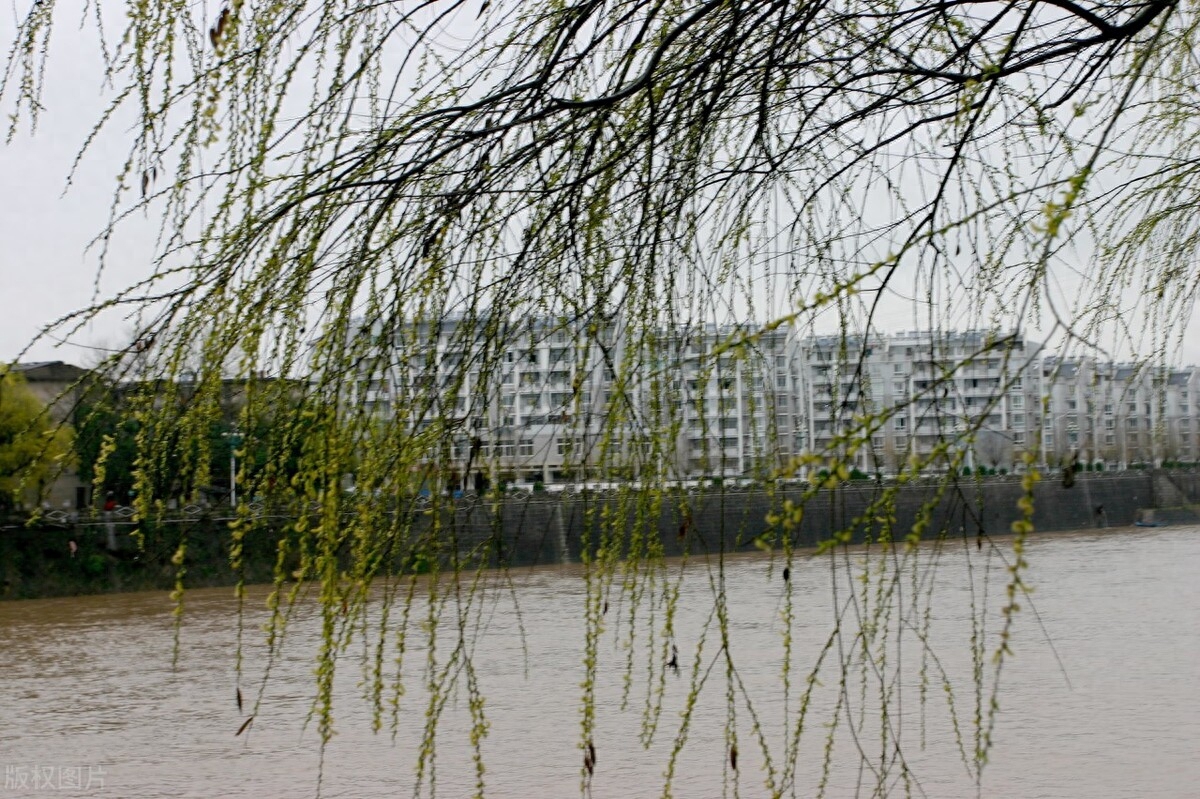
1100 700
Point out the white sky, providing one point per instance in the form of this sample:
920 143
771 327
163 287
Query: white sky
45 271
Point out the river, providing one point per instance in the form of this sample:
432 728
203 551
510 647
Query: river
1100 697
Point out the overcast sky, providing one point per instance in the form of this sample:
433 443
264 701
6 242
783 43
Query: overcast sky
45 270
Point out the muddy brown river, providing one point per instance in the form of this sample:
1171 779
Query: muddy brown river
1100 698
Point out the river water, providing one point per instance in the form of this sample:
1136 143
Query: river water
1100 698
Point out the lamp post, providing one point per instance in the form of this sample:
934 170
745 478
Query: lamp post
234 437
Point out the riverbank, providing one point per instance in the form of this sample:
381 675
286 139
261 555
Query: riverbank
74 560
100 555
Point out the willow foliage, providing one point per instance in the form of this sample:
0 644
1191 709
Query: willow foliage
338 181
33 449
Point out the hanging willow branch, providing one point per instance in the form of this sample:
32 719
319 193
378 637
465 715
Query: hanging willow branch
341 182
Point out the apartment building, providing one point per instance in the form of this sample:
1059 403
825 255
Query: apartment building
556 401
519 400
1119 414
569 401
726 395
882 402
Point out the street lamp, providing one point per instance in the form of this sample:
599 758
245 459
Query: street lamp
234 437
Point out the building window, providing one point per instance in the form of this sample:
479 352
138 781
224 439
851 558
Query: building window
1016 402
525 449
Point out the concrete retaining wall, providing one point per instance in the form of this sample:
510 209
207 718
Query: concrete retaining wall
554 528
550 528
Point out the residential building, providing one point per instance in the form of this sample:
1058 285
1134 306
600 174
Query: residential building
883 402
560 401
1119 414
58 386
567 401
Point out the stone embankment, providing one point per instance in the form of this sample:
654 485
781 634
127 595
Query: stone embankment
96 554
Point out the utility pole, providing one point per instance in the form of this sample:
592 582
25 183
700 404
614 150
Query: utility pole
234 437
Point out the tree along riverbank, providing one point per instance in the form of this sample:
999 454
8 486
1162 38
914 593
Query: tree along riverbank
101 553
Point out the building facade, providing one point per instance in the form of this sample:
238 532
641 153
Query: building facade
556 401
57 386
919 399
553 402
1119 415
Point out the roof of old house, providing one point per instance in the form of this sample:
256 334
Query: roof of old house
48 371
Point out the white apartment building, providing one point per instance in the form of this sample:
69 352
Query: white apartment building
1119 415
886 401
563 401
557 401
726 394
519 401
